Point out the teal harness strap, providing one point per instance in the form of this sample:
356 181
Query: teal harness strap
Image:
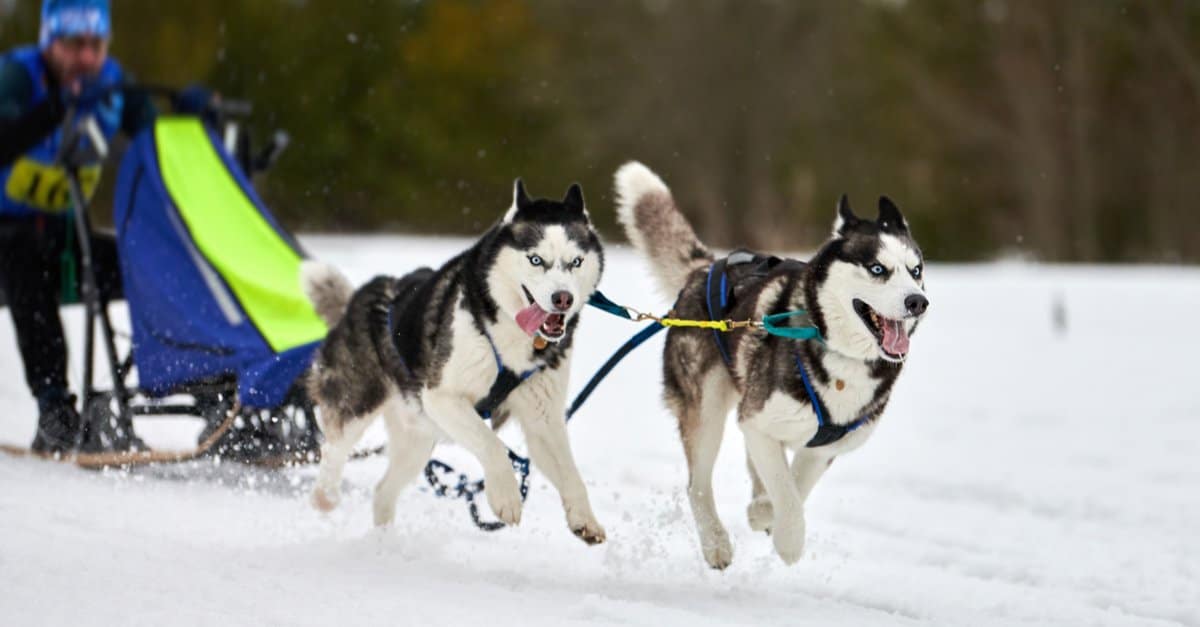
793 333
600 301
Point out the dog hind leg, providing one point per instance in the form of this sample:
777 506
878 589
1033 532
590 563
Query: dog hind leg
341 434
702 426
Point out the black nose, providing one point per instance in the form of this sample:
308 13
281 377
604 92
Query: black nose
562 300
916 304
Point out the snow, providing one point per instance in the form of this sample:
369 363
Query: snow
1023 474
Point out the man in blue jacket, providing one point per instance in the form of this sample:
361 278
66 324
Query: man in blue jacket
69 66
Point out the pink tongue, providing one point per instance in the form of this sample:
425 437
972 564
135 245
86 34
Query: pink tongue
530 319
895 337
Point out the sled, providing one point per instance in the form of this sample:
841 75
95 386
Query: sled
220 327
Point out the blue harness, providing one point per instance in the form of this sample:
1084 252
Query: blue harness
827 431
506 381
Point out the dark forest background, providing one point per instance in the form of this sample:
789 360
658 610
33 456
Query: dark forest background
1058 130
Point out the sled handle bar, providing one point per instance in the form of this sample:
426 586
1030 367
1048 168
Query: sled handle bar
223 107
218 105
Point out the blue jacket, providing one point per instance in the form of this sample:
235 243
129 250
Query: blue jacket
31 183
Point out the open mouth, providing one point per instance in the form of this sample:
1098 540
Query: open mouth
891 335
534 320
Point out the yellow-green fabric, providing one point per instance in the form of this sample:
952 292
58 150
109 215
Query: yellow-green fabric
259 266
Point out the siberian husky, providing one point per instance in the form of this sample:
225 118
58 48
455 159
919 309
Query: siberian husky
863 291
428 349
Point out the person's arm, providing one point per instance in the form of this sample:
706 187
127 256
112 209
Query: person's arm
22 126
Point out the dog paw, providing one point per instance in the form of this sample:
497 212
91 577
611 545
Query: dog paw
719 552
384 514
591 532
504 497
788 537
323 500
761 514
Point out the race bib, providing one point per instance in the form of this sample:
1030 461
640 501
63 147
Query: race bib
44 187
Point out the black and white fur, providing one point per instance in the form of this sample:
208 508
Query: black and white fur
868 274
426 368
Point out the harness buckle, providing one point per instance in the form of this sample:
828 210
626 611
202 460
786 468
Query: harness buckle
642 317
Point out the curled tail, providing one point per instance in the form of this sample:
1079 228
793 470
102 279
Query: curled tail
656 227
327 289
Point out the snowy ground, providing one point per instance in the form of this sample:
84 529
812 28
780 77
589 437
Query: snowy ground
1020 476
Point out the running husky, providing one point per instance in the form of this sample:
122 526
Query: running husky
434 350
864 293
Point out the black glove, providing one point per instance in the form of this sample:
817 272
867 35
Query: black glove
91 94
194 100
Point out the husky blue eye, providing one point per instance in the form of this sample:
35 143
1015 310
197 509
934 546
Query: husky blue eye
535 260
576 262
916 272
876 269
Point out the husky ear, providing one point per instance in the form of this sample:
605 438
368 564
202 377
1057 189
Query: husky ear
520 198
845 217
574 198
890 218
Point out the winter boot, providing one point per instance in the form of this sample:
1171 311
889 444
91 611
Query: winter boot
58 423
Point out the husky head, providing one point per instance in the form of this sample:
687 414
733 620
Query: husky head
548 262
868 283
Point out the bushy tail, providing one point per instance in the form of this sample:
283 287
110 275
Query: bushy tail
327 289
656 227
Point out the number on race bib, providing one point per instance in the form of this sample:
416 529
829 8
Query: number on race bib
45 187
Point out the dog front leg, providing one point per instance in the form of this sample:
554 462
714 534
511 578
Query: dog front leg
542 420
770 460
808 465
759 512
456 417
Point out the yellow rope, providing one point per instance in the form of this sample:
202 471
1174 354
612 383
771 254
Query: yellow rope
720 325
